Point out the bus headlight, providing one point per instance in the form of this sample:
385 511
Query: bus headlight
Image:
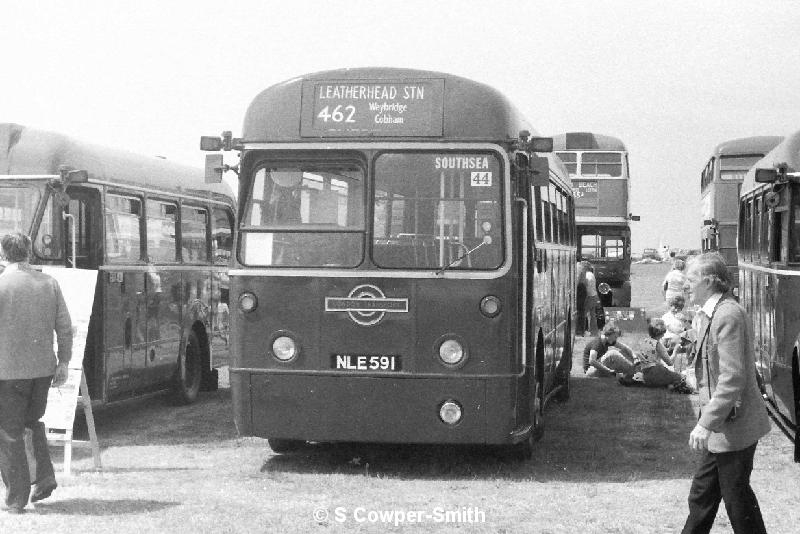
247 302
490 306
451 352
284 348
450 412
604 288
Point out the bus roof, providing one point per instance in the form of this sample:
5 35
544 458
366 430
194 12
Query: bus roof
760 144
788 152
587 141
456 108
30 151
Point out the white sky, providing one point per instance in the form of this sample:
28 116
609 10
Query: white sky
672 79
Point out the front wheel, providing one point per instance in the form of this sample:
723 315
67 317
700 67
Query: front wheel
188 375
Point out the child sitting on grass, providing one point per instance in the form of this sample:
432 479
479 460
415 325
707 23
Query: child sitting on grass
649 370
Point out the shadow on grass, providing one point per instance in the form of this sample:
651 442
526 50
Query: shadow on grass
604 433
102 507
159 421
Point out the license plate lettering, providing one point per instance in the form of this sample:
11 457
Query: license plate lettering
361 362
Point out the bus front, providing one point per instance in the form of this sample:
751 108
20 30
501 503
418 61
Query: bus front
376 297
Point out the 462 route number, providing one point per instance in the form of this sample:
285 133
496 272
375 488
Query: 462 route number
338 114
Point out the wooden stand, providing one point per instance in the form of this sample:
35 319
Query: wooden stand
53 435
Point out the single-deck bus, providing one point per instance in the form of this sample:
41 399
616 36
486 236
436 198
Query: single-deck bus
598 167
404 263
159 238
769 276
720 183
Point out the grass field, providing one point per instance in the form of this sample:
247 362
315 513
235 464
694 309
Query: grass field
613 460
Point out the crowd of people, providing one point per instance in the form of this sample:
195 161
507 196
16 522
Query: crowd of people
702 344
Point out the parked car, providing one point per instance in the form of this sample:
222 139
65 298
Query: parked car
650 253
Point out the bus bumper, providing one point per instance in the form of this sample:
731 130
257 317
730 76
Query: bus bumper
375 409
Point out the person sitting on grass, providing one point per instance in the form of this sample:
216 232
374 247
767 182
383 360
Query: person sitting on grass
604 356
652 360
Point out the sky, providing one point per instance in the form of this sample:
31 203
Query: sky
672 79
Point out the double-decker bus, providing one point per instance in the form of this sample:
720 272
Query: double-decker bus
404 263
598 167
769 276
720 183
159 239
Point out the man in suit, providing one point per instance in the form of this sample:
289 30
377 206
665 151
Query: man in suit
732 413
31 309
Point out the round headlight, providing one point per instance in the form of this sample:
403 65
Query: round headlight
604 288
284 348
490 306
247 302
486 226
450 412
451 352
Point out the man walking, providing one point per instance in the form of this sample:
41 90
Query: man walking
31 309
732 414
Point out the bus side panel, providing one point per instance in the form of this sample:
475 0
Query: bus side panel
163 328
786 332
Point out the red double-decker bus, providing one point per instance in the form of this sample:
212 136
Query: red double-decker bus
404 263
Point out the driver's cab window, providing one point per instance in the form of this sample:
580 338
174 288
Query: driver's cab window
82 210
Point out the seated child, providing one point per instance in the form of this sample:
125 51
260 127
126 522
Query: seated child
676 320
649 370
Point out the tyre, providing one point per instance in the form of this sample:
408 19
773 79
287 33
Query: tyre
281 446
564 369
189 373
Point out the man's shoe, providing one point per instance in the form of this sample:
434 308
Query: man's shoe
43 490
15 510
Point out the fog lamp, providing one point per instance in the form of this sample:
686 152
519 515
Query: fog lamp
450 412
604 288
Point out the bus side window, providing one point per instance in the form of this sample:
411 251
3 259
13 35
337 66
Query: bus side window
194 244
546 220
538 218
794 253
221 236
161 226
123 228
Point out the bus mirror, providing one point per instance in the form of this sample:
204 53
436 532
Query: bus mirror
210 144
541 144
766 176
540 172
214 168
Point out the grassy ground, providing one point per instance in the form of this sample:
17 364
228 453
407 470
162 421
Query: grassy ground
613 460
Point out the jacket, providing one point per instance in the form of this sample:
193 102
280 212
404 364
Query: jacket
32 308
726 378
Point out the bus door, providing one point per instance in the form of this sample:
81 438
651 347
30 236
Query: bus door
124 297
160 311
83 231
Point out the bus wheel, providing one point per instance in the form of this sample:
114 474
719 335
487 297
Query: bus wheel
280 446
189 373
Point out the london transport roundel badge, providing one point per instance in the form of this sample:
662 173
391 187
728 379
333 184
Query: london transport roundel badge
366 305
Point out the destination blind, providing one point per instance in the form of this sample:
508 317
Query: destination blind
372 108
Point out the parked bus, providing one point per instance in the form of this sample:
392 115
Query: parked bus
720 183
160 239
769 276
598 167
404 263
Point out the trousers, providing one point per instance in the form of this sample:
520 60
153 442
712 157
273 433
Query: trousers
22 404
724 476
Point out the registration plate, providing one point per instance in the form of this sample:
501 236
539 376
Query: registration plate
365 362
